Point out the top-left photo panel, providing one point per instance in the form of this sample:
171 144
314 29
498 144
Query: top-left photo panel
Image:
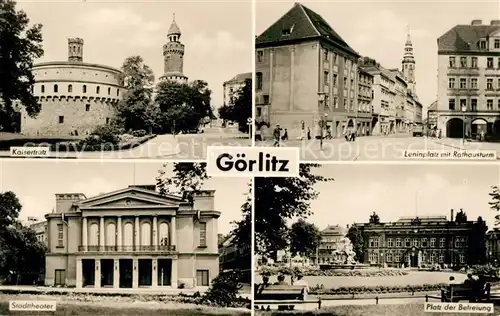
124 80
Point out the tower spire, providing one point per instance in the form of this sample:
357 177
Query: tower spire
408 63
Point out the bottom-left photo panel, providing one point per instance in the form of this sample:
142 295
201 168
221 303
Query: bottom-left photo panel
123 238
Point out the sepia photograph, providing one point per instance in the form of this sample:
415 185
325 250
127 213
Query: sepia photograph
377 240
103 238
371 80
120 79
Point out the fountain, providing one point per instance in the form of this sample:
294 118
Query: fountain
343 257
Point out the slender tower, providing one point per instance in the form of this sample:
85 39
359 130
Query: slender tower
408 64
75 49
173 53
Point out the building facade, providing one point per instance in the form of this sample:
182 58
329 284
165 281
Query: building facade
232 87
432 115
493 246
414 242
132 238
173 54
469 80
236 257
40 229
306 76
365 97
402 123
331 238
75 96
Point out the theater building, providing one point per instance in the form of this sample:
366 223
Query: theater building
132 238
413 242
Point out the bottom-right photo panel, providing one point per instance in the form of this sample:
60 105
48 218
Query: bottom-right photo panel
378 239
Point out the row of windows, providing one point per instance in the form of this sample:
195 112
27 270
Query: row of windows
466 62
490 104
326 80
396 258
336 103
84 89
87 108
473 83
424 242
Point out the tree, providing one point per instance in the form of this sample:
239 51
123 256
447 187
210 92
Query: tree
374 218
461 217
241 110
136 111
495 202
20 46
183 106
304 238
477 242
280 199
355 235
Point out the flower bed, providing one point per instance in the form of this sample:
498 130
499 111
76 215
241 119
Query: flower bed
357 273
82 146
319 290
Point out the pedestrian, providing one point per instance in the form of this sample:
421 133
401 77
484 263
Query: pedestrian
308 133
277 135
285 135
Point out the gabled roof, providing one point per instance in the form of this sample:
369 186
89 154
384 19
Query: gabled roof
464 37
240 77
433 106
302 24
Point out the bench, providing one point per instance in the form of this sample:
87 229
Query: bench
289 294
466 292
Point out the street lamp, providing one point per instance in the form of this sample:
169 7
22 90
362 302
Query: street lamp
464 109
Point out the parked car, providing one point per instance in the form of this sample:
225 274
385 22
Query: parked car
418 131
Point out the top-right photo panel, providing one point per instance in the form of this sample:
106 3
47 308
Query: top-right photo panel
379 81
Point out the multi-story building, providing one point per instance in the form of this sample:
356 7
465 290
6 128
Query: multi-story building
400 87
233 86
132 238
493 245
432 115
326 253
469 80
365 96
40 229
306 76
235 257
173 53
418 112
413 242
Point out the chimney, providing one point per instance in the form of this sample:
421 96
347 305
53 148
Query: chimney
75 49
495 22
451 216
476 22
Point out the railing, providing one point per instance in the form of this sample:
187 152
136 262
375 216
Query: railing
159 248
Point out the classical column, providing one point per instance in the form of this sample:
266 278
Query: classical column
154 272
84 232
155 232
173 229
119 232
116 274
135 273
136 233
173 275
97 276
101 232
79 273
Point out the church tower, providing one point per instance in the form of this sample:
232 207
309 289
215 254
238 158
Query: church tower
408 64
173 53
75 49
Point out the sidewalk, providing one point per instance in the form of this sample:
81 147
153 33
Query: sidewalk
458 144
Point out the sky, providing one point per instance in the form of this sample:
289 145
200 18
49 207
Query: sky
378 29
36 182
217 35
397 190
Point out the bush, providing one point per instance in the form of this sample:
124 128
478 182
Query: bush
319 289
139 133
104 134
224 289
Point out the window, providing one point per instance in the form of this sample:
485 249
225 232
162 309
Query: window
451 83
433 257
498 66
463 62
335 102
117 92
416 243
397 257
260 55
498 83
482 44
497 43
286 31
473 104
259 80
60 277
266 98
107 120
374 242
202 278
128 234
463 83
473 83
325 54
442 242
463 104
97 90
451 104
389 257
109 91
60 235
424 242
345 82
351 105
489 62
433 242
461 258
84 89
87 107
489 84
345 104
335 57
398 242
70 88
259 112
390 243
407 242
43 88
451 62
441 257
325 77
489 104
474 62
203 234
111 234
56 88
499 104
334 80
146 234
61 119
327 103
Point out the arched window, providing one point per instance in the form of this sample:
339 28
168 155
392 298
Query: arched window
43 88
70 88
145 234
163 234
259 80
84 89
128 234
94 235
111 234
56 88
97 89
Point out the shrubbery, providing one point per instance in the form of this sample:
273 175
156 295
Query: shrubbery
319 289
104 134
224 291
358 273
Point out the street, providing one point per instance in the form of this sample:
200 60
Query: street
194 146
377 148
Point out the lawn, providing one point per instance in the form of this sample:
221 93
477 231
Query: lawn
373 310
72 305
413 278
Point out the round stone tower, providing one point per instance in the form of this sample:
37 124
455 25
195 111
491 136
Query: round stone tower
75 49
173 53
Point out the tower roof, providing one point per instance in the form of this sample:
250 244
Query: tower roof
408 56
174 29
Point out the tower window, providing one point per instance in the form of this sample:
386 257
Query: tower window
56 88
87 107
70 88
97 89
61 119
109 91
43 88
84 89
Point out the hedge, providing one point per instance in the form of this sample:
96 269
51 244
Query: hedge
377 289
5 144
357 273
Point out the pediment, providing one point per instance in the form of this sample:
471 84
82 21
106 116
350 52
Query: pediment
131 198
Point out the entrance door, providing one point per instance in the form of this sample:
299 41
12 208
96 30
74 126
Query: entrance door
60 277
414 260
126 273
88 269
164 272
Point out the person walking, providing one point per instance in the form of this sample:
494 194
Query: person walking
277 135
